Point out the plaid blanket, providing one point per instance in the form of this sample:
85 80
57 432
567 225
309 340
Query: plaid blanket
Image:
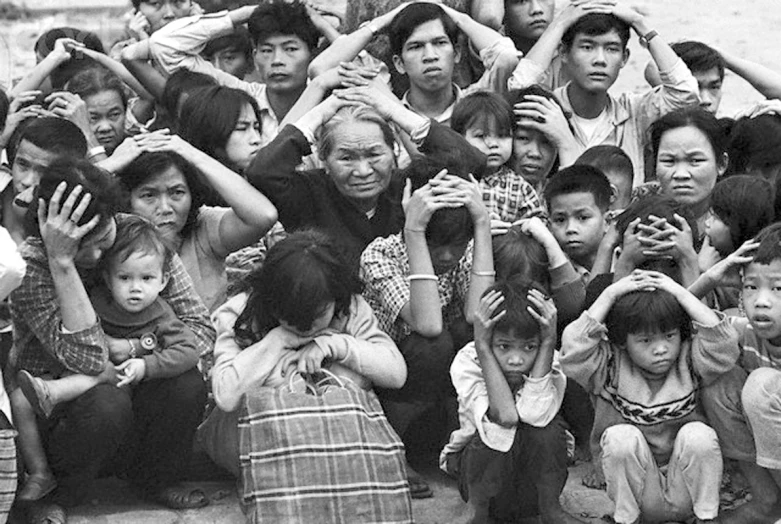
320 453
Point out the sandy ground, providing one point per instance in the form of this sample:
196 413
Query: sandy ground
749 28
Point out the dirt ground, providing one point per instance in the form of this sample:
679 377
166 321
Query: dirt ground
749 28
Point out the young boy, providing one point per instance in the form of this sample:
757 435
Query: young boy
510 446
231 53
617 167
591 38
578 198
160 345
424 285
743 406
636 351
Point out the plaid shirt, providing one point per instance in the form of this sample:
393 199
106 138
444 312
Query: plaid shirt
384 271
41 346
508 195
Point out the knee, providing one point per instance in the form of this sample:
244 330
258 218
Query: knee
762 391
622 441
697 439
549 439
105 410
186 391
429 354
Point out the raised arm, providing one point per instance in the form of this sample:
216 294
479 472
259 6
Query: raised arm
483 274
661 52
488 12
135 58
761 78
38 74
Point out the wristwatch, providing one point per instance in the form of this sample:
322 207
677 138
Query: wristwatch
646 38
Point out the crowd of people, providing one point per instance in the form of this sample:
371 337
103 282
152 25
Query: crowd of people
443 203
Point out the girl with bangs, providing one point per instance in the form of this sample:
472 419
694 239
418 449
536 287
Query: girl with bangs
643 350
300 311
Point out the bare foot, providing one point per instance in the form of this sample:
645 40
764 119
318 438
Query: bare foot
594 477
580 455
752 512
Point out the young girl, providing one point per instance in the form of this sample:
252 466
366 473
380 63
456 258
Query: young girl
302 310
485 120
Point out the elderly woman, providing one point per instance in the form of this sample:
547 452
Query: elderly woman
357 196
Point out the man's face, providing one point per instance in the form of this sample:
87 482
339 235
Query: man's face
160 13
594 61
29 163
282 61
709 82
232 61
428 57
528 19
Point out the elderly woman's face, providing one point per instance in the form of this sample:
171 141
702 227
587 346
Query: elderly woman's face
360 162
163 199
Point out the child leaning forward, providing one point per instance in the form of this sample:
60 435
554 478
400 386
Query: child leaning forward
510 448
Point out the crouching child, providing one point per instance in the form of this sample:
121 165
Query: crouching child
644 349
509 453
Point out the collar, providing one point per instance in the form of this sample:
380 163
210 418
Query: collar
493 179
442 118
616 113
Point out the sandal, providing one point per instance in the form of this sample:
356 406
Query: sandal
180 497
46 514
37 393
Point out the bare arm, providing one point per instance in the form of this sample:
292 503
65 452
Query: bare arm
488 12
58 56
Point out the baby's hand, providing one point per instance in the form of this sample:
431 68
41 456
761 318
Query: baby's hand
536 228
310 358
132 371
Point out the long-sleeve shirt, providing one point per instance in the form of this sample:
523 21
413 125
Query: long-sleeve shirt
537 402
41 346
623 394
755 352
628 116
371 357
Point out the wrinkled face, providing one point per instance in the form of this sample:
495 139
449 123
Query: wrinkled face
719 234
137 281
516 355
534 154
29 164
709 82
232 61
578 225
686 165
527 19
244 142
282 62
163 199
428 57
762 299
160 13
654 353
446 257
106 118
360 162
93 246
495 145
594 61
320 323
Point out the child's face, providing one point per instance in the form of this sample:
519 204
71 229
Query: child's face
654 353
428 57
578 225
528 18
534 154
719 234
137 281
594 61
160 13
446 257
516 355
495 145
232 61
320 322
762 299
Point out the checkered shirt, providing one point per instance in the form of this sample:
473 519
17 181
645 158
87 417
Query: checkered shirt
384 271
508 195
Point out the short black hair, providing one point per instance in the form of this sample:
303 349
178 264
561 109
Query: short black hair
517 254
769 248
646 312
136 234
745 204
106 194
182 82
699 57
50 133
516 303
706 122
596 24
754 143
65 71
580 179
660 206
281 17
608 159
94 80
413 16
482 109
237 40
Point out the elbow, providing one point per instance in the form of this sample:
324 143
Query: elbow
430 329
315 69
493 20
510 419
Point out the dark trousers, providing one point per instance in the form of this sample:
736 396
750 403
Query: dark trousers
577 410
522 482
145 434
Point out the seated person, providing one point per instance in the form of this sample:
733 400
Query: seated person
743 405
643 349
510 446
424 285
578 198
129 308
57 330
591 39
